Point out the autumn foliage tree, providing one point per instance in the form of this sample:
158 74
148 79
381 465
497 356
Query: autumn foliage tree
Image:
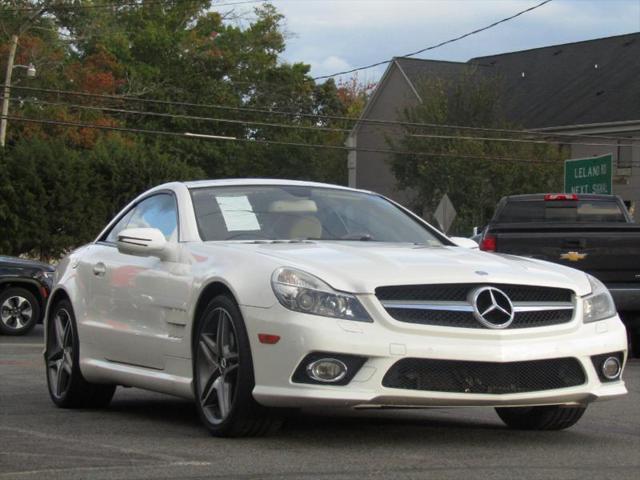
71 173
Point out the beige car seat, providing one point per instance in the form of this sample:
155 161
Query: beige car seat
296 219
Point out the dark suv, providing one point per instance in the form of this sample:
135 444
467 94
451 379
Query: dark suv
24 288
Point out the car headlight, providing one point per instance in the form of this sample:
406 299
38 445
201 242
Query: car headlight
302 292
598 305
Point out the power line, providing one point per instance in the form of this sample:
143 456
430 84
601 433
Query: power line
107 5
316 128
191 135
315 116
179 116
432 47
518 140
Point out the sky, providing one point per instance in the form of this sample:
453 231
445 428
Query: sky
335 35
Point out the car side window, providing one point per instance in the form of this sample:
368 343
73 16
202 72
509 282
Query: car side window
112 236
159 211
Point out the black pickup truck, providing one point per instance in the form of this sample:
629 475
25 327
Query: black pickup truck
24 288
593 233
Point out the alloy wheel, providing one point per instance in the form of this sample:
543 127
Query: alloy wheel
217 365
60 353
16 312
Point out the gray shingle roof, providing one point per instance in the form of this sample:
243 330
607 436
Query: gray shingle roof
561 84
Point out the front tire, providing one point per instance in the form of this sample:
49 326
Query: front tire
551 417
67 386
223 374
19 311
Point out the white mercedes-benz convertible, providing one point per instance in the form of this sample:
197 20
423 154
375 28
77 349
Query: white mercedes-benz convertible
253 296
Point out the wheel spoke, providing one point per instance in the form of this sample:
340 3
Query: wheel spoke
209 348
222 332
59 330
67 335
59 378
224 396
67 361
56 354
208 390
18 321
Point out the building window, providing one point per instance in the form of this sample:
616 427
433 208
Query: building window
624 153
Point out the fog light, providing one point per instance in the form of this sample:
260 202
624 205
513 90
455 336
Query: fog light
327 370
611 368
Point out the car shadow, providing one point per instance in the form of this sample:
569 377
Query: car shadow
344 428
418 426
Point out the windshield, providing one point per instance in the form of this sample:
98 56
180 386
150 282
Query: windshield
300 213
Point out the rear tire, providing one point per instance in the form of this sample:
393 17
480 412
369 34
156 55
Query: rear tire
223 374
67 387
551 417
19 311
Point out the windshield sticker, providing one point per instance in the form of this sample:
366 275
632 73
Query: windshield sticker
238 214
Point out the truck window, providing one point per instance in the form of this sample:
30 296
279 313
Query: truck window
582 211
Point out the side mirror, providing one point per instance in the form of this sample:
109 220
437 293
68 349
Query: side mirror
144 242
464 242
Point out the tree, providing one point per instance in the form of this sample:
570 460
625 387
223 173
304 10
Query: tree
475 173
178 51
58 197
354 95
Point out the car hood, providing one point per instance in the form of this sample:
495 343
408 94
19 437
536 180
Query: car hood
25 263
360 267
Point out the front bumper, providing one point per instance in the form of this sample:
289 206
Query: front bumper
386 341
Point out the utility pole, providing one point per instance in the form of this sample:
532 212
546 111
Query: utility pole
6 93
7 89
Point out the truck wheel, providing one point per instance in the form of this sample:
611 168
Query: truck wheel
551 417
19 311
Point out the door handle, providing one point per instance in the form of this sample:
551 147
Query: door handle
99 269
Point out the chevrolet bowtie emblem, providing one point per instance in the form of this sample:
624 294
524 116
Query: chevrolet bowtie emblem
573 256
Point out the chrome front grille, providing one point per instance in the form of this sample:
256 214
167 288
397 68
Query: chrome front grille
449 305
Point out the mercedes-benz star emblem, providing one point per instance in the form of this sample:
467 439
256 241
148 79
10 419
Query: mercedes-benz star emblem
491 307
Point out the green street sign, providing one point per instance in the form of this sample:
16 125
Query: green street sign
588 175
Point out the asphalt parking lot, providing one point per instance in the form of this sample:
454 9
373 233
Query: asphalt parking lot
146 435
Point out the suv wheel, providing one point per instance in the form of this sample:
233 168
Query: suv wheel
19 311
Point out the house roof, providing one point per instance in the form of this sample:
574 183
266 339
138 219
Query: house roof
417 70
594 81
